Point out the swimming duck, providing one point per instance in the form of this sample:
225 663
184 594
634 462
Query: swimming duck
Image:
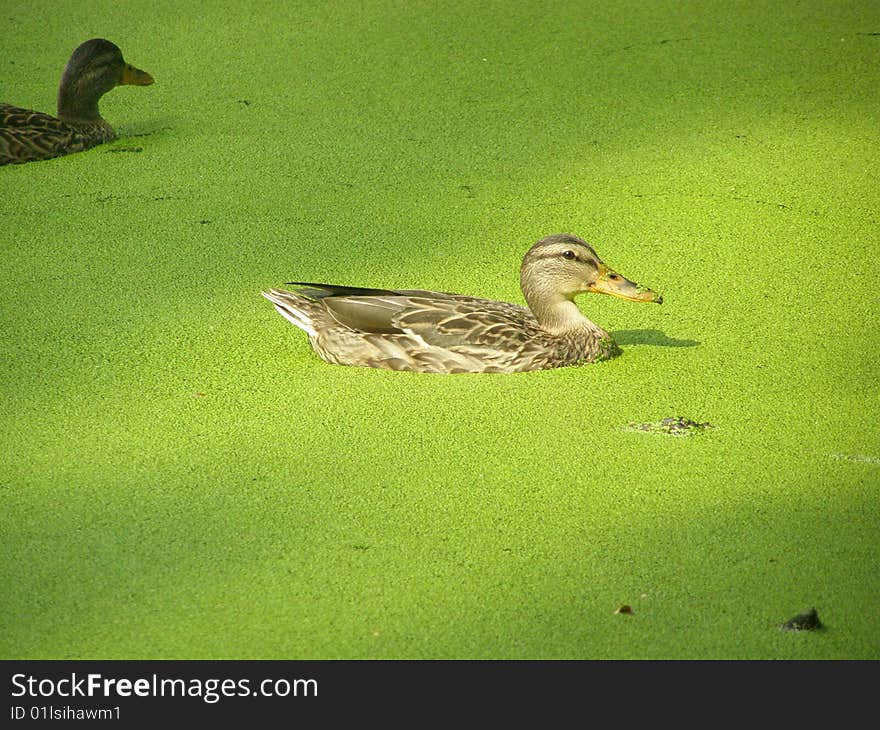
94 68
435 332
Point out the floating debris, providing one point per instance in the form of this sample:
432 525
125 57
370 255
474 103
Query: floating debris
861 458
808 621
675 426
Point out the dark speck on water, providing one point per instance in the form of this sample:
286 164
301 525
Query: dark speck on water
675 426
808 621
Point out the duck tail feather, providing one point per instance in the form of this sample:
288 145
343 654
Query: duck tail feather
321 291
287 306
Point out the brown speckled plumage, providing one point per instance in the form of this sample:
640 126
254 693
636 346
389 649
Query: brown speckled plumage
436 332
94 68
26 136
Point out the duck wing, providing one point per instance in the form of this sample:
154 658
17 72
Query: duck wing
469 325
367 314
27 135
448 321
376 311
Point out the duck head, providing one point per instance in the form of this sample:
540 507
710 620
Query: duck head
560 267
94 68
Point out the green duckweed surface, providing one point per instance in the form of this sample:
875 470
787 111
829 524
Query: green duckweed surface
183 478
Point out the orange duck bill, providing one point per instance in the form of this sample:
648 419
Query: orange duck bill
135 77
612 283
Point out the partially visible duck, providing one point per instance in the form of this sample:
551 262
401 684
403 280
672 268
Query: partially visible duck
94 68
435 332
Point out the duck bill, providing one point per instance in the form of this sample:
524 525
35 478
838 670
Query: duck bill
135 77
613 284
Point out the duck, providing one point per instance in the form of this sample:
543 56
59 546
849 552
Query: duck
435 332
94 68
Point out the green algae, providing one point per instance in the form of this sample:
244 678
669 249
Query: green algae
428 145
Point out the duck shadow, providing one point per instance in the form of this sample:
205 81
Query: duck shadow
145 127
650 337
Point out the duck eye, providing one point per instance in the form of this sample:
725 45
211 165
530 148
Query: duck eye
570 255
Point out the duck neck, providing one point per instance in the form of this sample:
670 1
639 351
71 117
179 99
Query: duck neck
559 315
76 107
